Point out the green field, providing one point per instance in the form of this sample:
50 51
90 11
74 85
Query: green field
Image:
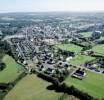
7 18
10 73
98 48
86 34
101 38
70 47
32 88
93 84
80 59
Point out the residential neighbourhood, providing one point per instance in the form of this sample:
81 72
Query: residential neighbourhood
66 51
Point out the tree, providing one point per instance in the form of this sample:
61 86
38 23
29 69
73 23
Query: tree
2 66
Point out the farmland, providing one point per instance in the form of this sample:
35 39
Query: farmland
32 88
6 18
92 84
101 38
69 47
86 34
10 73
80 59
99 49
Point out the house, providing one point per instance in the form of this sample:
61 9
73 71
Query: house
79 74
51 61
62 64
41 67
69 58
50 71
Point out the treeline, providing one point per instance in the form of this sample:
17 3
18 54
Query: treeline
5 48
6 87
71 90
62 87
2 66
85 47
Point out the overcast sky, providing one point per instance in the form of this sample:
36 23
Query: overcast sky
50 5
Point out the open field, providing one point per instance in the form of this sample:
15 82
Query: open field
32 88
101 38
98 48
70 47
7 18
10 73
93 84
80 59
86 34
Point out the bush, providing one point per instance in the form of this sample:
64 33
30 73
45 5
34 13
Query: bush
74 91
2 66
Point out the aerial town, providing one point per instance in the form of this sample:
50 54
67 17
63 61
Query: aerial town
65 49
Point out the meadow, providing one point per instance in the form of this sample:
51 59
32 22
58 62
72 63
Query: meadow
92 84
86 34
80 59
32 87
11 72
69 47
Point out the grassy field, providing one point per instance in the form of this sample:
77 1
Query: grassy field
10 73
99 48
101 38
32 88
93 84
70 47
86 34
80 59
7 18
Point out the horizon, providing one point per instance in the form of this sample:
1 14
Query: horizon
10 6
52 12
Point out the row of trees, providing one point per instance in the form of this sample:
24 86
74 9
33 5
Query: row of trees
2 66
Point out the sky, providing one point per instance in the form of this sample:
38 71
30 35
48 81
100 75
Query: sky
50 5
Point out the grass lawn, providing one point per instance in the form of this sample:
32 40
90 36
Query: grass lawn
93 84
99 48
70 47
86 34
32 88
101 38
10 73
80 59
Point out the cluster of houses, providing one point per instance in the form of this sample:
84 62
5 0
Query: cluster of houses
50 62
37 52
39 55
96 65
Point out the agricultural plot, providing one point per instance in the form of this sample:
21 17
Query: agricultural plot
99 49
32 88
86 34
70 47
10 73
101 38
7 18
92 84
80 59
